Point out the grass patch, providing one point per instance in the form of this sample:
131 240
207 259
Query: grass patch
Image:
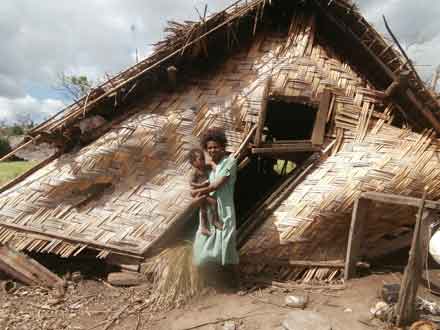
10 170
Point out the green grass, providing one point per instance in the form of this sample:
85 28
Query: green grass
280 163
10 170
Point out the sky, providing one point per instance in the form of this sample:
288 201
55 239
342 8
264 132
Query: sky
40 40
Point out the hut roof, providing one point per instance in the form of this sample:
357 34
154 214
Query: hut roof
124 191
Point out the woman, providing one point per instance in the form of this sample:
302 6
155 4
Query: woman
219 247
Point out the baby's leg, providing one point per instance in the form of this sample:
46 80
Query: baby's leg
204 219
211 201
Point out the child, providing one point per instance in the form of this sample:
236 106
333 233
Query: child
200 179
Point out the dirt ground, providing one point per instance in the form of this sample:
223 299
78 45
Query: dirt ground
91 303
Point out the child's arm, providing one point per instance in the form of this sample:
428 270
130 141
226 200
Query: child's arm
203 184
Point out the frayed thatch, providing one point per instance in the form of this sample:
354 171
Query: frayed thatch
175 278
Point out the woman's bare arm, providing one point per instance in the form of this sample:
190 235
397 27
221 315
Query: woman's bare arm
212 187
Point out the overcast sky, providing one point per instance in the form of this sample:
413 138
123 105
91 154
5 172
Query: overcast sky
41 39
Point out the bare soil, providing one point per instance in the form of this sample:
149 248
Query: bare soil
92 303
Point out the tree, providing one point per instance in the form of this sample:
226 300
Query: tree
74 86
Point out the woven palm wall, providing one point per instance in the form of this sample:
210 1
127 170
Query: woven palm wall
121 193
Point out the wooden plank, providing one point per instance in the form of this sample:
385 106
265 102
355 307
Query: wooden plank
321 119
358 218
258 259
135 253
263 113
406 305
25 269
400 200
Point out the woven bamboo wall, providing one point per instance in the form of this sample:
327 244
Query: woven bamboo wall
313 222
124 190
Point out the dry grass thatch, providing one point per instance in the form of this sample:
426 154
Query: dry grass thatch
175 279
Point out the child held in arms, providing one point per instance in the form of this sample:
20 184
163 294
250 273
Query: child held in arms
199 179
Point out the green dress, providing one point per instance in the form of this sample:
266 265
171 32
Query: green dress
220 247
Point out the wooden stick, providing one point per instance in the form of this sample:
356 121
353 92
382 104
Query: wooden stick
405 307
26 174
245 142
400 200
355 237
258 259
13 152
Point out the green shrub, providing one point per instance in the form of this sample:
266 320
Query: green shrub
17 130
4 146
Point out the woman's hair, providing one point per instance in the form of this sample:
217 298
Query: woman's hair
216 134
193 153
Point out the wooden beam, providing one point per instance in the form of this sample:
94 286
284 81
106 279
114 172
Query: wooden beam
400 200
26 270
358 219
406 305
321 118
263 112
277 148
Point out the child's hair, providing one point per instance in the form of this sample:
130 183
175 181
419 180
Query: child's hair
192 155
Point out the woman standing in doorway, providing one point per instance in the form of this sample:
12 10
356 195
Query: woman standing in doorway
220 247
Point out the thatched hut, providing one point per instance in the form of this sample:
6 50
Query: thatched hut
306 81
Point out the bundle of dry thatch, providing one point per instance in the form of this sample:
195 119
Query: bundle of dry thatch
175 278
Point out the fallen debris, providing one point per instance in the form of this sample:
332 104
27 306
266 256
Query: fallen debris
296 301
390 293
382 311
229 325
423 325
125 278
26 270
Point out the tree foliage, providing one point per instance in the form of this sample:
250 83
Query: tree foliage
75 86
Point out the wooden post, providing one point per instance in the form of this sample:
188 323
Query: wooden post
358 218
262 115
406 305
25 269
321 118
